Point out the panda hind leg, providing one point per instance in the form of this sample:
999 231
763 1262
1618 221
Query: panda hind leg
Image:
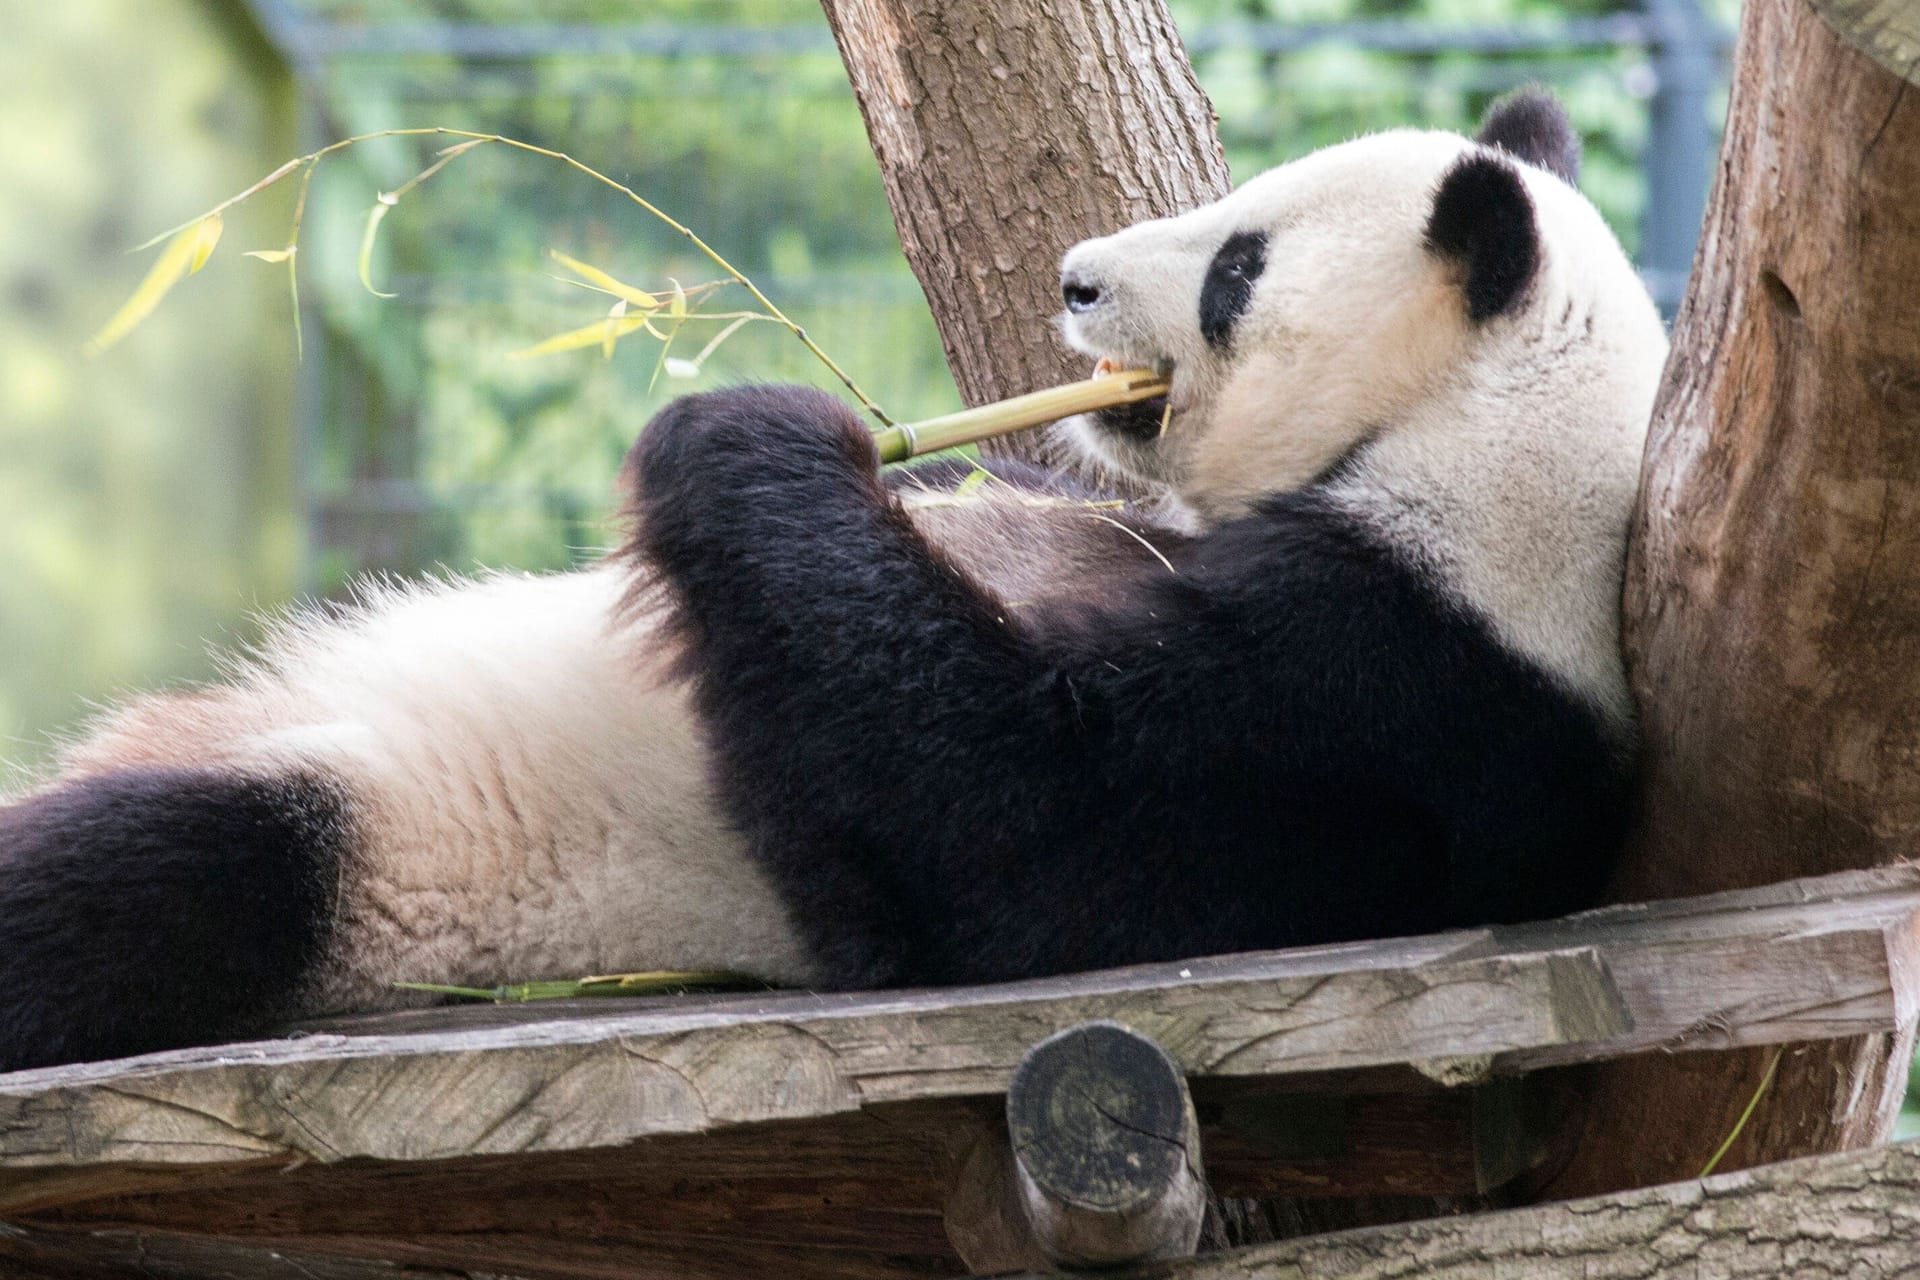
154 907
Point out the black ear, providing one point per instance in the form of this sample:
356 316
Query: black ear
1530 124
1482 220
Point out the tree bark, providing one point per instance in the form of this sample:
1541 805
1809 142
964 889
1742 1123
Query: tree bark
1773 585
1008 130
1847 1216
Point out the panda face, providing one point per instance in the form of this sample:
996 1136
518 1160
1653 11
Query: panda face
1321 304
1304 302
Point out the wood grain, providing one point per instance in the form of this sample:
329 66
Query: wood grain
1851 1216
1888 31
837 1190
41 1254
1773 587
1106 1150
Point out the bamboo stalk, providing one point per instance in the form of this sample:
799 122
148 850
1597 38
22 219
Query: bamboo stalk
969 426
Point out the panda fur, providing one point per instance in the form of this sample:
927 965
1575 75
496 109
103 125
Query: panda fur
1360 677
460 782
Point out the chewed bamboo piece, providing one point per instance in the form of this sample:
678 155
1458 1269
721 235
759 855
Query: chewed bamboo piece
970 426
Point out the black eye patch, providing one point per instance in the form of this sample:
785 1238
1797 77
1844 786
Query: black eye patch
1229 285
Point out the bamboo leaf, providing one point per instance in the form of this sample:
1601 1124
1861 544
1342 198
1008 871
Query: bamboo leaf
610 328
660 362
713 343
665 982
599 278
206 234
375 216
975 478
678 307
182 256
293 294
591 335
286 255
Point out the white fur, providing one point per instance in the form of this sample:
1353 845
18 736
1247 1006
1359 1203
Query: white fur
530 801
1504 454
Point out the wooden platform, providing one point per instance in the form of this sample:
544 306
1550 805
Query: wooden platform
797 1135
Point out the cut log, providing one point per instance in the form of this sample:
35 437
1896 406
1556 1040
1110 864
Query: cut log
1773 590
1099 1162
1006 131
1855 1215
1106 1148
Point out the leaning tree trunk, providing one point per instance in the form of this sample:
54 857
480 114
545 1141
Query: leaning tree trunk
1773 589
1009 129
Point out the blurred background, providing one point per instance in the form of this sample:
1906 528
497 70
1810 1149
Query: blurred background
158 499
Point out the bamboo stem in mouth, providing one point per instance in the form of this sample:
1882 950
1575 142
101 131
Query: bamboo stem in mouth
969 426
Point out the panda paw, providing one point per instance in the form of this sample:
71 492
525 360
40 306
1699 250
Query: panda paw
745 462
756 438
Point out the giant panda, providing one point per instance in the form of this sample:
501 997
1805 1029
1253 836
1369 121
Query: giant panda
1357 673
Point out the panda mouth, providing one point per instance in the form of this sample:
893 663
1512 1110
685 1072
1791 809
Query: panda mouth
1142 421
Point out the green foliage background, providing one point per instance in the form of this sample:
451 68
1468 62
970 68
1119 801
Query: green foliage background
146 502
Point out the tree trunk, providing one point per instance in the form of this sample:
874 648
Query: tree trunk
1007 130
1773 586
1840 1216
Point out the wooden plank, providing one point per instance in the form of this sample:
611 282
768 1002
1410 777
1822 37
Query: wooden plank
1855 1215
765 1134
874 1179
858 1195
60 1254
554 1086
1808 961
880 1177
129 1255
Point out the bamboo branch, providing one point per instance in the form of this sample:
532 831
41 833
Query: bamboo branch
970 426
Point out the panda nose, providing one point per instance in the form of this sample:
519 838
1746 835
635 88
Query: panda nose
1081 294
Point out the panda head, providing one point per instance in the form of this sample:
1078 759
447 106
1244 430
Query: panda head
1366 289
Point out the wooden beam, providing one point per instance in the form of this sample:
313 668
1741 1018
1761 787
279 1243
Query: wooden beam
1855 1215
1809 960
128 1255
